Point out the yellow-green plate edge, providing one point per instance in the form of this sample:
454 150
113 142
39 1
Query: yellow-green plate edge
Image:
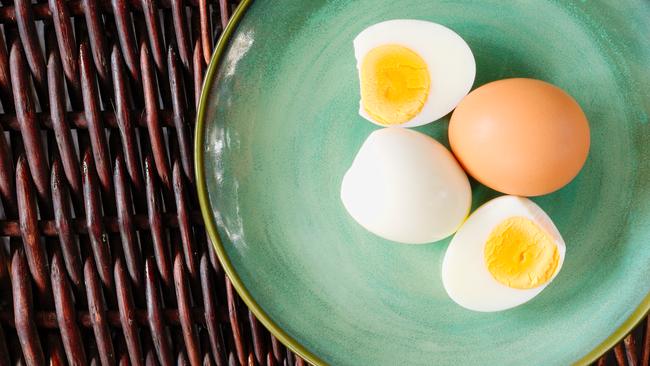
206 211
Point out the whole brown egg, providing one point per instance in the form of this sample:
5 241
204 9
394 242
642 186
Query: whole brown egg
520 136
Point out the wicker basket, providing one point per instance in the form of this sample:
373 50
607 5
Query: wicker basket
103 255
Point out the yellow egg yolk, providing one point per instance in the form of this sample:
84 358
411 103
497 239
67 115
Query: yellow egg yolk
520 254
394 84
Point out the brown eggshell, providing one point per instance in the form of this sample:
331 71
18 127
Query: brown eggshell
523 137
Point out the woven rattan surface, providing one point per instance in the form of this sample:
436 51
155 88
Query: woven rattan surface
103 254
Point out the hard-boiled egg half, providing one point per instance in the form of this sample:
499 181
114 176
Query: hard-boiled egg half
505 254
411 72
406 187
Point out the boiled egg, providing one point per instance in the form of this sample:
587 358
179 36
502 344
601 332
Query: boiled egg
505 254
406 187
520 136
411 72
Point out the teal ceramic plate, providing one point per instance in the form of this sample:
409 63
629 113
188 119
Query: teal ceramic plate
278 127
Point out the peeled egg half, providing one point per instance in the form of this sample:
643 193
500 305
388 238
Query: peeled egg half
406 187
505 254
411 72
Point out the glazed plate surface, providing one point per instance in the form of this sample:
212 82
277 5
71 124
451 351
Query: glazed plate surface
278 127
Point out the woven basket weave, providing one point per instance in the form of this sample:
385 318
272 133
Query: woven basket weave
103 255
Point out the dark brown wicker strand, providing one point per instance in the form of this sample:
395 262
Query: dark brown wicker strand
103 255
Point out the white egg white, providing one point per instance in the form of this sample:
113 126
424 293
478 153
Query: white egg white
465 275
406 187
450 61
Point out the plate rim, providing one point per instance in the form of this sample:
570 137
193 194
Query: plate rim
211 226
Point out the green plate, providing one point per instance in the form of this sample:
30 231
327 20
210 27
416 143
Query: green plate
278 127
